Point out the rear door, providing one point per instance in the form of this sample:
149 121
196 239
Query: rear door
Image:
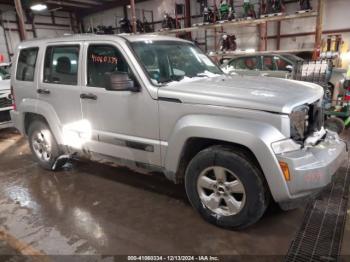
60 84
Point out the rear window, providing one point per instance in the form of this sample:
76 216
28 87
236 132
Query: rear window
26 64
61 65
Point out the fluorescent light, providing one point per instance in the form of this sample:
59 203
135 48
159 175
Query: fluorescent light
38 7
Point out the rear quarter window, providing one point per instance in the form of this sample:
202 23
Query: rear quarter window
26 64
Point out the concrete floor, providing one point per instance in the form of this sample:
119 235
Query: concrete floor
92 208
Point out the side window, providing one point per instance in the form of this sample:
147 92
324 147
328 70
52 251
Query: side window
26 64
269 63
102 59
61 65
247 63
282 64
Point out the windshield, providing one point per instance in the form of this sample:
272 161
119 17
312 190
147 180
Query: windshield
171 61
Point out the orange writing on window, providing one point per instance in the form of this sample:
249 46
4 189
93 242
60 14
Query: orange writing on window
101 59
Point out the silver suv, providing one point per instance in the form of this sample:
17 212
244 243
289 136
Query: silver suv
159 103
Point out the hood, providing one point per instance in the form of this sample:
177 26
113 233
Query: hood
256 93
5 85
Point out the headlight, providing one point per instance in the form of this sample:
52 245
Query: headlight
299 122
284 146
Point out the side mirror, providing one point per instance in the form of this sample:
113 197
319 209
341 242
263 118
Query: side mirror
119 81
289 68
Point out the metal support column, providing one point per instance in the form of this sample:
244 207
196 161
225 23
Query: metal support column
319 26
20 16
133 15
278 40
188 13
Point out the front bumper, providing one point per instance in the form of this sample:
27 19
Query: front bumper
312 168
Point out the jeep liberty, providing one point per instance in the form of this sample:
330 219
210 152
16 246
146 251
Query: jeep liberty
237 142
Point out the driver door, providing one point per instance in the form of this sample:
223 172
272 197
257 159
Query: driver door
124 124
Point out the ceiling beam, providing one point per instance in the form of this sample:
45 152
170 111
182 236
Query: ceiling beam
66 3
90 2
106 6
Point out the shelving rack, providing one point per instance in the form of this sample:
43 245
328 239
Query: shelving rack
239 22
262 23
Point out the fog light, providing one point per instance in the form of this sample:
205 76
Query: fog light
285 170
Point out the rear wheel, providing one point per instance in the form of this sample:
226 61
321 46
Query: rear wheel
226 187
43 144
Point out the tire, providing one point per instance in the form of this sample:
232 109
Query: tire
335 124
41 139
238 168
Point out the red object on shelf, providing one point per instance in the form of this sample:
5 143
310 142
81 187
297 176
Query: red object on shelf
347 88
2 58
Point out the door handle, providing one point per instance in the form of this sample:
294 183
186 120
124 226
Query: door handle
43 91
88 96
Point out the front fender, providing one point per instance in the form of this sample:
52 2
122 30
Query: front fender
45 110
256 136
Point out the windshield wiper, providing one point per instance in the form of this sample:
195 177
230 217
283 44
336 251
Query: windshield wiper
201 75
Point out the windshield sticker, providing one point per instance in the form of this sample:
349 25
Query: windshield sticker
102 59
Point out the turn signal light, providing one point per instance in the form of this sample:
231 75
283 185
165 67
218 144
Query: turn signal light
285 170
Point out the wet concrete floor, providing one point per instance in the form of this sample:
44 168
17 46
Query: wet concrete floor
93 208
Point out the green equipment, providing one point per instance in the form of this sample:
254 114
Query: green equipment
248 9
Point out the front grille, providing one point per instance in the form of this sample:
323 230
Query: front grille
5 116
316 118
5 102
306 120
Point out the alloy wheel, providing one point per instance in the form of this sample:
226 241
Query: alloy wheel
221 191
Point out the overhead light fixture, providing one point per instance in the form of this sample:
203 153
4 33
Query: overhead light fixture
38 7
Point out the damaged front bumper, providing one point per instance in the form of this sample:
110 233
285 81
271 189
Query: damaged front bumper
312 168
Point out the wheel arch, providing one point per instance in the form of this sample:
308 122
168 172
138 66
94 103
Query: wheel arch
253 138
41 110
194 145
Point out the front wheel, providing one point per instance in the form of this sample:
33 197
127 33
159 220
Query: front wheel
226 187
43 145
